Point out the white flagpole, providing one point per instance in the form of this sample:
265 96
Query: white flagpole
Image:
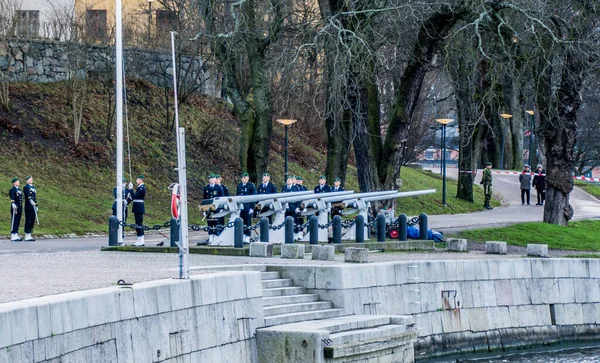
119 111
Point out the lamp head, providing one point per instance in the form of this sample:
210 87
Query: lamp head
286 122
506 115
444 121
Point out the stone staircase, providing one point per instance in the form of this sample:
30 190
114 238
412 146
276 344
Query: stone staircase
301 328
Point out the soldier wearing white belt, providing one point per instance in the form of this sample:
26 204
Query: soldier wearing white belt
139 209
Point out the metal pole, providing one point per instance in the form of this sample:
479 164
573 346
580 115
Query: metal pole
175 102
149 21
502 151
530 137
286 155
119 111
441 147
184 207
444 165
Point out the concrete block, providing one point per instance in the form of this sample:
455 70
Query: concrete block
566 291
253 285
521 293
102 307
454 270
23 321
561 267
537 250
589 313
594 266
261 249
181 294
126 303
544 291
208 289
145 300
503 292
522 269
44 320
586 290
323 253
542 268
579 267
568 314
498 317
357 255
496 247
294 251
506 269
236 286
457 245
478 319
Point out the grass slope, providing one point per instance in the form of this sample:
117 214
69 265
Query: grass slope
591 188
75 182
578 236
415 179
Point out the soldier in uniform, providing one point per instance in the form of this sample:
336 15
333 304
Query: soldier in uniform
246 188
219 181
30 208
266 187
127 198
322 187
16 209
300 183
290 188
212 190
337 187
301 188
139 209
486 181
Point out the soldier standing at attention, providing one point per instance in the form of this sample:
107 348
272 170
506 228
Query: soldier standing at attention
139 209
486 181
301 188
337 185
219 181
290 188
246 188
30 208
127 198
300 183
212 190
16 209
266 187
322 187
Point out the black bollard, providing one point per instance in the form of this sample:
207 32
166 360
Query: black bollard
113 231
360 229
423 227
174 232
238 233
403 225
264 229
289 229
380 223
313 230
337 229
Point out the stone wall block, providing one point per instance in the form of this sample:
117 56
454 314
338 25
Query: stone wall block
496 247
292 251
537 250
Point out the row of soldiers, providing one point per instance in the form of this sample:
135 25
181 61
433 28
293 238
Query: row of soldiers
16 208
294 183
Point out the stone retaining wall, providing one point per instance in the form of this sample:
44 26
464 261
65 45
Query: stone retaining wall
210 318
46 61
466 305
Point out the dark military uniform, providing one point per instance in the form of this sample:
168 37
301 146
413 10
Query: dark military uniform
138 208
291 207
225 194
301 188
127 198
16 198
486 181
212 191
322 189
336 211
30 207
246 189
268 188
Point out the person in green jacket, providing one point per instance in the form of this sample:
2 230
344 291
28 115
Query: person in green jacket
486 181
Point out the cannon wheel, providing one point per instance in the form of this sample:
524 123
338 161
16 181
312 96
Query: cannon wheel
394 233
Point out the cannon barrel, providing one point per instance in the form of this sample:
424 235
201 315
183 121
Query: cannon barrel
335 196
370 194
400 195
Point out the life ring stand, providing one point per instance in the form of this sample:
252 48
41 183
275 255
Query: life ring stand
175 200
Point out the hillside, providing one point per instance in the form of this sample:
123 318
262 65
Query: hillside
75 181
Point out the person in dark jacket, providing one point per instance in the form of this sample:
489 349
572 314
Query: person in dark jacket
30 194
289 187
139 209
266 187
337 187
539 183
525 180
246 188
322 187
16 209
212 190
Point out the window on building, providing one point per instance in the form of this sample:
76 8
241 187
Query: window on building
27 23
96 25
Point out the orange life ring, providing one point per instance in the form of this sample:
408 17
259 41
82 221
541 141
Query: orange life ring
175 201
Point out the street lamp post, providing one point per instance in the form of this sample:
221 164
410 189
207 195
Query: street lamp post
444 122
149 20
286 123
530 112
505 116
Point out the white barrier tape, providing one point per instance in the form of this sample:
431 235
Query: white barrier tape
531 173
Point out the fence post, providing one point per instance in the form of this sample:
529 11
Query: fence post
113 231
423 226
380 223
174 232
264 229
403 225
289 229
337 229
313 230
238 233
360 229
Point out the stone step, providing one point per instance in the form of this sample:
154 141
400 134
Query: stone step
281 291
289 299
268 284
295 308
354 349
270 275
358 335
354 322
303 316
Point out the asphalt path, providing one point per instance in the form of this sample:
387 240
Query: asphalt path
507 187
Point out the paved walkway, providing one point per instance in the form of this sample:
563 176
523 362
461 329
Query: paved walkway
507 187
